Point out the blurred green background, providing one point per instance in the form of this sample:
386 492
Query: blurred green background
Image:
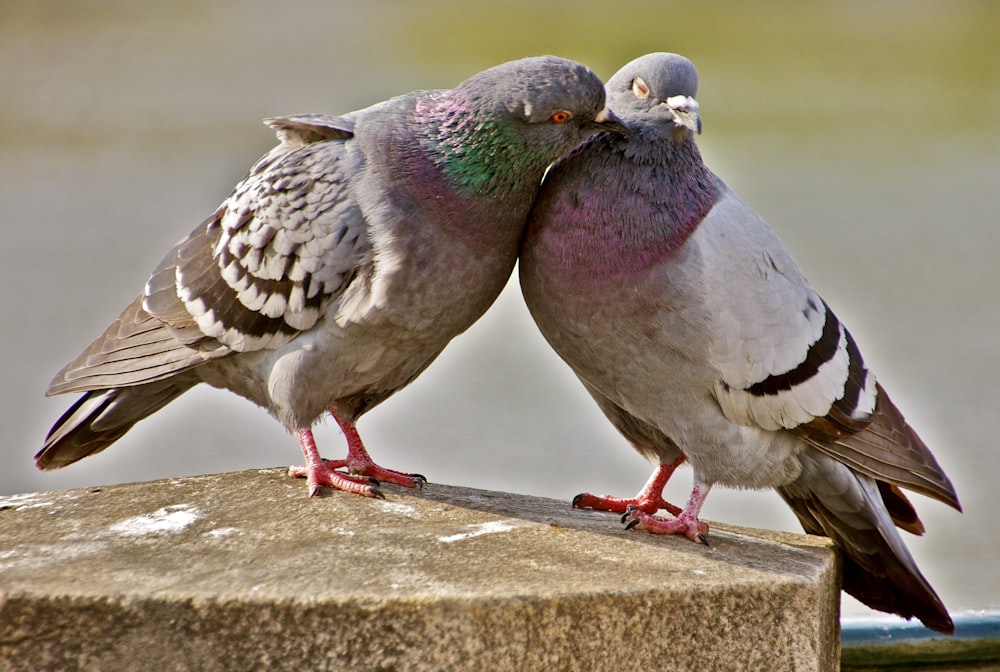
866 133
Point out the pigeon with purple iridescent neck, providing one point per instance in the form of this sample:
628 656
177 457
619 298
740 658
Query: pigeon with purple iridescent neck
340 266
700 339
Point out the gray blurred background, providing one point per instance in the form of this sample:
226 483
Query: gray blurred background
867 134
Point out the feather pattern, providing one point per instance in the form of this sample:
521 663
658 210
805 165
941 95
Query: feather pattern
250 277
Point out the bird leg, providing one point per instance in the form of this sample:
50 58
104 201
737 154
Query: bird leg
358 462
685 523
362 475
650 498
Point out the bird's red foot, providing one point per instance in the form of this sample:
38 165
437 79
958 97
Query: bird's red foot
362 470
684 523
361 476
650 499
643 502
317 475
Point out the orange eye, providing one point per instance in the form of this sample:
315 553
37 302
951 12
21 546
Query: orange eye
560 117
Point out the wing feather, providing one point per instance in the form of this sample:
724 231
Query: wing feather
795 367
886 449
286 242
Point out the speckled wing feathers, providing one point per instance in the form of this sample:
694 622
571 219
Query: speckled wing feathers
261 269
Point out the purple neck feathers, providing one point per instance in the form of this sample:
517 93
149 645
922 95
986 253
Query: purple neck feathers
637 213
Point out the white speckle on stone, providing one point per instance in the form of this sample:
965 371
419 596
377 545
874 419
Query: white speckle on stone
30 500
220 532
699 572
166 520
397 509
492 527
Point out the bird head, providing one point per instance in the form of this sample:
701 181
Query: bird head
658 87
546 101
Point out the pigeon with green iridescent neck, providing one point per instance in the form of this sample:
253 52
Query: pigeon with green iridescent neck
341 266
700 339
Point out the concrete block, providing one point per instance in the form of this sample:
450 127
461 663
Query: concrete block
243 571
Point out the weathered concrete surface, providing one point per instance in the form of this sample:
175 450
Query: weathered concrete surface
243 571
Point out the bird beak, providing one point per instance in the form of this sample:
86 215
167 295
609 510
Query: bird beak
689 120
685 109
606 120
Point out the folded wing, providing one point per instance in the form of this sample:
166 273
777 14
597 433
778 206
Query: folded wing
286 242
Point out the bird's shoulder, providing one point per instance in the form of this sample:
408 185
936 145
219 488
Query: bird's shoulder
782 358
302 129
765 313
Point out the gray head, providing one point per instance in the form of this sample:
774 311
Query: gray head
533 89
657 87
547 104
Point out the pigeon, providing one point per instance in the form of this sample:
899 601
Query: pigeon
701 341
340 266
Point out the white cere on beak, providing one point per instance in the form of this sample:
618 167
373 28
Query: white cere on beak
685 111
682 103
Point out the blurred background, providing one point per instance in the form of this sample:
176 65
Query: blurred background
867 134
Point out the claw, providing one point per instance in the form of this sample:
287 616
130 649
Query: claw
703 539
632 523
376 493
576 500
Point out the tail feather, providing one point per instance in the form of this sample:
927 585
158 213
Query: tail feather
900 509
888 450
831 500
101 417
